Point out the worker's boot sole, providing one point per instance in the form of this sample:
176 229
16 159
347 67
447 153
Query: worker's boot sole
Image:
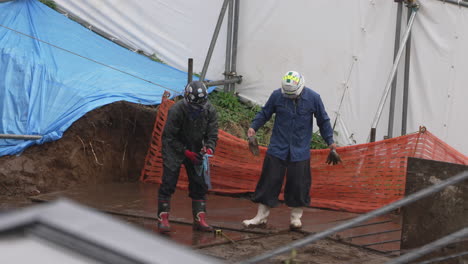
260 225
164 229
295 228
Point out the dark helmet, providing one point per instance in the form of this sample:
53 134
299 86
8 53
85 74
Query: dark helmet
196 93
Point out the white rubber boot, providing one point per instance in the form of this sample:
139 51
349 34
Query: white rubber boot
260 218
296 214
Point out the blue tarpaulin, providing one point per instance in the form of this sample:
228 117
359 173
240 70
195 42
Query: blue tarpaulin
53 71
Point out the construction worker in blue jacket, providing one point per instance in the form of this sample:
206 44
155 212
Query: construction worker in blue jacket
289 150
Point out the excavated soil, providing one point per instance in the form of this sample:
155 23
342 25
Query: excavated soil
108 144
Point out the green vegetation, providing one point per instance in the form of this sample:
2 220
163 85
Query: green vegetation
49 3
317 142
235 118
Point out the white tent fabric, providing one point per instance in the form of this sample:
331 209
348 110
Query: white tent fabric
438 80
174 30
343 48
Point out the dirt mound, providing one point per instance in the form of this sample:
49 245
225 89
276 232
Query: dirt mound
107 144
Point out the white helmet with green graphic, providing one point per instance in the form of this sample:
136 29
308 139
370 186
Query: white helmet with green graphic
292 84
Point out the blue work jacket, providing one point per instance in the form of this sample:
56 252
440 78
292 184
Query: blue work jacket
292 131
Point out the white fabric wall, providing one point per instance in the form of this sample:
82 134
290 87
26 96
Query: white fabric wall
327 41
438 90
173 29
335 44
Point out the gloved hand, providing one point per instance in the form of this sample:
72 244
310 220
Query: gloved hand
195 158
207 151
253 146
333 157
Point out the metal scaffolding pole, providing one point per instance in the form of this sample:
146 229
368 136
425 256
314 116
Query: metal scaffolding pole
392 74
463 3
394 83
24 137
190 70
438 260
234 43
233 79
360 219
213 39
404 114
227 65
415 254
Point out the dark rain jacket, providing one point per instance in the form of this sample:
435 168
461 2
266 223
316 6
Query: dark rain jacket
292 131
185 130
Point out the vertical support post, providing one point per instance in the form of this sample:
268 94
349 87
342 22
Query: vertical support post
213 40
404 117
234 42
190 70
227 69
394 83
373 131
383 99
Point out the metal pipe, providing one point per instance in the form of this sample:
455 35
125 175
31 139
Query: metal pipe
25 137
455 2
383 210
234 43
395 65
380 243
373 131
227 65
394 82
190 70
404 113
417 253
461 254
213 39
375 233
373 223
234 79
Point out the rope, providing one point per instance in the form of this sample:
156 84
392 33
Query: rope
344 92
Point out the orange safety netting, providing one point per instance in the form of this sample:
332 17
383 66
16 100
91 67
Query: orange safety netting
371 175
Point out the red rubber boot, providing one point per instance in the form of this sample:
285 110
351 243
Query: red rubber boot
199 216
163 216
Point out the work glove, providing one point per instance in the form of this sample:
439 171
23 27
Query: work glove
333 157
207 151
253 146
195 158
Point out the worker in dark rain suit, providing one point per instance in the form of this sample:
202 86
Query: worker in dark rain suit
191 132
289 149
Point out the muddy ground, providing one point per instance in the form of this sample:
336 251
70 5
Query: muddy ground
109 144
325 251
